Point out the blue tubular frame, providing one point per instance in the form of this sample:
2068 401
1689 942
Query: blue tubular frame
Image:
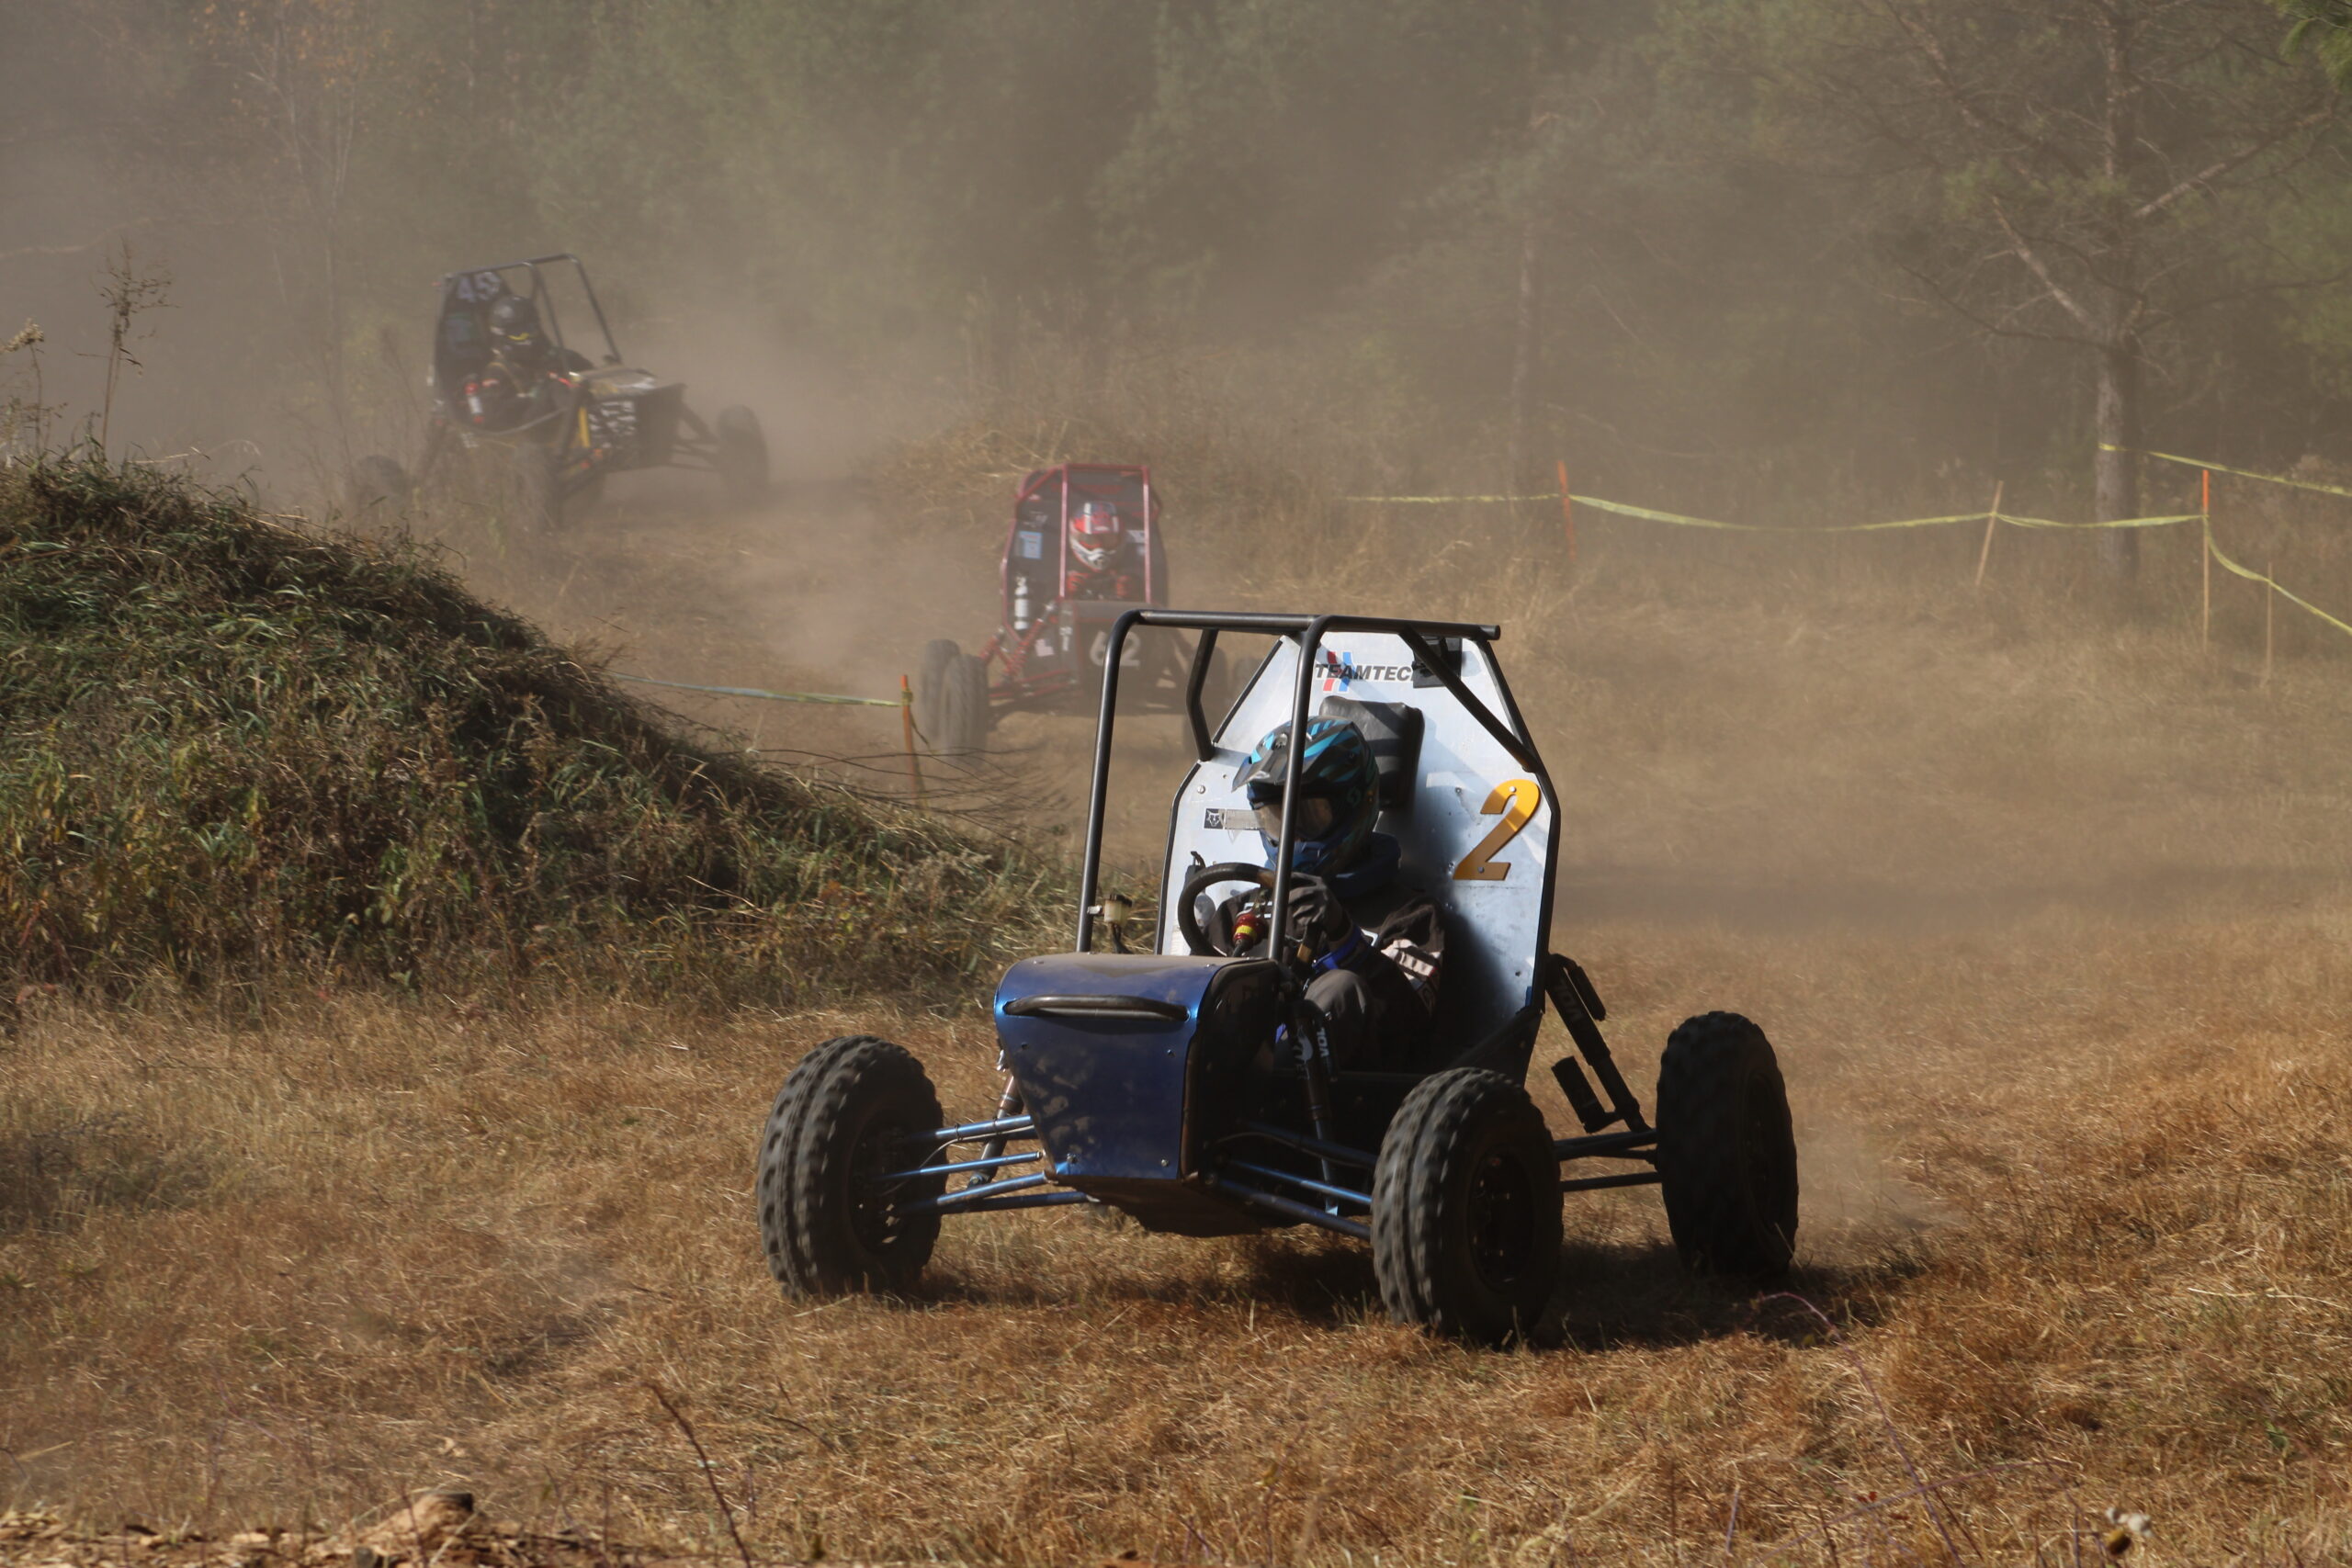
994 1163
1292 1209
978 1131
970 1196
990 1192
1321 1189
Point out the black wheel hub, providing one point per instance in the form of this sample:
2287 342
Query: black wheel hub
875 1216
1500 1218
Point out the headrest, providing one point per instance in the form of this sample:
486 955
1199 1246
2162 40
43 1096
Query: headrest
1393 731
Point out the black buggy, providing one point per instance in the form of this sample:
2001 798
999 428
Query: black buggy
1196 1093
542 422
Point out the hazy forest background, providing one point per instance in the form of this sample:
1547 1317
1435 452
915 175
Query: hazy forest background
1753 255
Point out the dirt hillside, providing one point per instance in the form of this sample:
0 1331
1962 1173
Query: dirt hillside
237 750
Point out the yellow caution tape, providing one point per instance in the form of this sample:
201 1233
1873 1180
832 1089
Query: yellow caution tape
2287 593
2119 522
1444 499
2226 468
1677 519
1648 514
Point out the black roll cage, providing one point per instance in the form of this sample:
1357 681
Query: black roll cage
1423 639
542 299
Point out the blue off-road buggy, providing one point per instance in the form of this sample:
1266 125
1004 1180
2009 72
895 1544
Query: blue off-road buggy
1194 1092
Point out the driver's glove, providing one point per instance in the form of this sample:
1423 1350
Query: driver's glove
1316 922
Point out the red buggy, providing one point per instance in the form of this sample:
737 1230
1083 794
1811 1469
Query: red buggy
1085 548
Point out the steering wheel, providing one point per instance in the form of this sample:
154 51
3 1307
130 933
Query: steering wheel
1188 923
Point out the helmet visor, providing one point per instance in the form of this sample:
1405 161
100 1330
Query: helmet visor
1315 816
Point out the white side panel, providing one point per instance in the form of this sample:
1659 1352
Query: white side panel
1468 794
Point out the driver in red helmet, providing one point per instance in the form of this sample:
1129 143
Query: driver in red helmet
1101 557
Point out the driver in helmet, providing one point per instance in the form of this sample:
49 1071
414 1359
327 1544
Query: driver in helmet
508 390
499 396
514 334
1102 564
1377 945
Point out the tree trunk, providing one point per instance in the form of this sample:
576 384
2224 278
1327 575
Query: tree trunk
2116 411
1527 362
2116 418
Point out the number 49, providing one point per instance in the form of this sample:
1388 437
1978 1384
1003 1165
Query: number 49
1516 799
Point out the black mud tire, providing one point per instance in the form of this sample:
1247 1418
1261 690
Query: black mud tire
939 655
1726 1150
964 715
742 454
852 1110
379 484
1465 1210
533 489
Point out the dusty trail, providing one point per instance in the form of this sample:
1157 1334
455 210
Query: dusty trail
817 590
1857 764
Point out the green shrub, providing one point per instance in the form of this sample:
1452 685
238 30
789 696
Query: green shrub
233 750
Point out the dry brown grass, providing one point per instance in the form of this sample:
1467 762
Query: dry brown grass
2050 927
2096 1230
2045 908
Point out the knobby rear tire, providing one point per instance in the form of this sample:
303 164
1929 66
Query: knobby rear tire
939 655
379 482
1726 1149
741 456
963 707
1465 1210
854 1108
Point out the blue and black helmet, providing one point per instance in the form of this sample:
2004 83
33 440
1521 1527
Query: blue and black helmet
1338 794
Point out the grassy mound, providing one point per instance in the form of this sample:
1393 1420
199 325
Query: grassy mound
232 751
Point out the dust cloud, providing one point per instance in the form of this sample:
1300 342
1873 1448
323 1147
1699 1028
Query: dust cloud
1773 736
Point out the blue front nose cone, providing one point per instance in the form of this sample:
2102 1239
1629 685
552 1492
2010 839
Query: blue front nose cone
1106 1050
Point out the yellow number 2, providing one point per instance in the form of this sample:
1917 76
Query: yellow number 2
1517 800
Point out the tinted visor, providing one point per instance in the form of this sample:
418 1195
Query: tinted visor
1315 817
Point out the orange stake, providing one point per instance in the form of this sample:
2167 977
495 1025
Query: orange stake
907 721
